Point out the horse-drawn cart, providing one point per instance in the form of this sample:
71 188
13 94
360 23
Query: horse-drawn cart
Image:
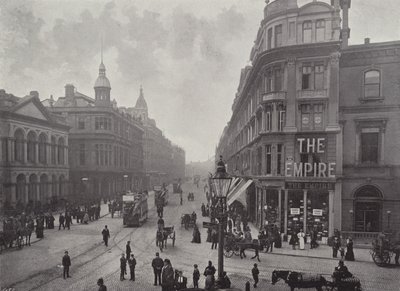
234 246
188 220
383 249
163 235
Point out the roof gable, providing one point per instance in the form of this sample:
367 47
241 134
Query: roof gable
32 107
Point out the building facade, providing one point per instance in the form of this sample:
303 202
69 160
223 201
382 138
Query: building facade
106 150
163 161
285 144
34 168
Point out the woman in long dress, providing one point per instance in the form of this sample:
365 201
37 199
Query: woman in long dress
349 252
300 235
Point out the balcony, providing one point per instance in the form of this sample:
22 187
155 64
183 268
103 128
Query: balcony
312 94
274 96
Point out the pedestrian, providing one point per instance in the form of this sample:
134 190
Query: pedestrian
106 235
335 247
301 237
255 273
349 250
68 220
123 267
132 265
181 196
101 285
51 221
128 249
61 221
167 276
196 276
293 240
209 273
157 265
214 238
66 262
257 248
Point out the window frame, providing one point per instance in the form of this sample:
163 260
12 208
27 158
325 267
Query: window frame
307 26
379 84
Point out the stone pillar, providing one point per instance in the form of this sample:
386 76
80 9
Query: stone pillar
36 152
11 149
279 208
333 105
285 211
25 145
56 154
290 125
331 212
305 211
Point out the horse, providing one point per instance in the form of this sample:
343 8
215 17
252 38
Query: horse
299 280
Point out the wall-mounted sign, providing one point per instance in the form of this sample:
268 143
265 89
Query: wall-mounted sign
317 212
295 211
309 186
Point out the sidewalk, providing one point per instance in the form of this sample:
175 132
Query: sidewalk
323 251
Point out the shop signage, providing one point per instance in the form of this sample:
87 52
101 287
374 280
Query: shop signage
316 170
317 212
309 186
295 211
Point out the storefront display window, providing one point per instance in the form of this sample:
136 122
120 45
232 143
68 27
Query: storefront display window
271 207
295 211
318 213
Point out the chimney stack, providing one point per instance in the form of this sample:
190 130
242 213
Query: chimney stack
34 94
69 91
367 40
345 31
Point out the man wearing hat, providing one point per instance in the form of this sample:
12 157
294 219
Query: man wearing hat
157 265
167 276
66 262
123 267
101 285
132 265
128 250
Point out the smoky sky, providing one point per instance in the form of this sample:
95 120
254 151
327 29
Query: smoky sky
187 54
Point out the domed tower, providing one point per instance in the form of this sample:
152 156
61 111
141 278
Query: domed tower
141 106
102 87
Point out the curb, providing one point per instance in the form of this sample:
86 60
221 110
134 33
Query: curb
312 257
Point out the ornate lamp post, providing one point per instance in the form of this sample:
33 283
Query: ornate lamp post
352 219
85 189
389 213
221 182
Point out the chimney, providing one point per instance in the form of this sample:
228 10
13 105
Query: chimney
345 32
51 102
69 91
367 40
34 94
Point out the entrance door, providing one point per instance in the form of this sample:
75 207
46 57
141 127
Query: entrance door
367 216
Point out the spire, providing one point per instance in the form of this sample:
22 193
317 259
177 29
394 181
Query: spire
141 102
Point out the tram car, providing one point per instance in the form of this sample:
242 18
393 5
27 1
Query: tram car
135 208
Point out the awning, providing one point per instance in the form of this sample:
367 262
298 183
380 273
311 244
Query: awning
235 185
241 189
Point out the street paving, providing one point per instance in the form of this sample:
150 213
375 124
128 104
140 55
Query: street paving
39 267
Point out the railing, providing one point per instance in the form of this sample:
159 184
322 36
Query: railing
367 237
271 96
321 93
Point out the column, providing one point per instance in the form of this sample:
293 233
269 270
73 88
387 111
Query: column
36 152
285 210
290 125
25 144
279 207
11 150
331 212
333 105
382 149
305 211
274 118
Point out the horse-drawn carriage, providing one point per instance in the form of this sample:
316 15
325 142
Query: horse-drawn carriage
383 249
190 196
163 235
188 220
15 234
302 280
233 245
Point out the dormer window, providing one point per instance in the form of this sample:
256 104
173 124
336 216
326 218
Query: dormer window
372 84
307 31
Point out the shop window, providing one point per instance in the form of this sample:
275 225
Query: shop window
278 35
307 30
279 159
306 78
369 147
318 213
295 214
268 159
320 30
372 84
269 44
319 77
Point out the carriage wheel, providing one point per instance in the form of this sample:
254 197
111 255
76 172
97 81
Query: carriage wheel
228 252
381 260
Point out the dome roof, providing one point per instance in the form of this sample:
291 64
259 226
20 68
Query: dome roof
102 80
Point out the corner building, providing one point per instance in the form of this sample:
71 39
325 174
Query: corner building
283 133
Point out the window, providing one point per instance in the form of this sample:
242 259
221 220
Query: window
369 146
306 78
268 119
277 79
320 30
268 156
53 150
279 160
102 123
19 146
281 118
42 149
81 123
317 121
268 82
372 83
319 77
307 29
259 159
292 30
82 157
31 147
269 38
61 151
278 35
312 116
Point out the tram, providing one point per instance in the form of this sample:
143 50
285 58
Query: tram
135 209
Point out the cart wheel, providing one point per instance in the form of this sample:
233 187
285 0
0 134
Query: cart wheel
228 253
173 240
381 260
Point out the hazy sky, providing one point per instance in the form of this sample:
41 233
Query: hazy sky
187 54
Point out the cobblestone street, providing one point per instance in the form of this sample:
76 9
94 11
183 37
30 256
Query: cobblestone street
39 267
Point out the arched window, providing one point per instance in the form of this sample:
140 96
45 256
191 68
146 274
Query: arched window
61 151
31 147
372 84
43 187
53 150
368 209
32 187
20 187
19 146
42 148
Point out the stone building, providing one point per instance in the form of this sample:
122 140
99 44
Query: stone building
33 152
106 151
296 165
163 161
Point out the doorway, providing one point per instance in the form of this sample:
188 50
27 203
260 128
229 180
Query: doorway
367 216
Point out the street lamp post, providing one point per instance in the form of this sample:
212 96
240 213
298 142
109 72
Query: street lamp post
388 218
85 186
352 219
126 182
221 182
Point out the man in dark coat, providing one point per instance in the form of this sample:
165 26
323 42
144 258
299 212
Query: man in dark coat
157 265
68 220
167 276
106 235
255 273
61 220
123 267
101 285
132 265
128 249
66 262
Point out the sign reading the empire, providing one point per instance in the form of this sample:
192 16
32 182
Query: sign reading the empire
313 169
